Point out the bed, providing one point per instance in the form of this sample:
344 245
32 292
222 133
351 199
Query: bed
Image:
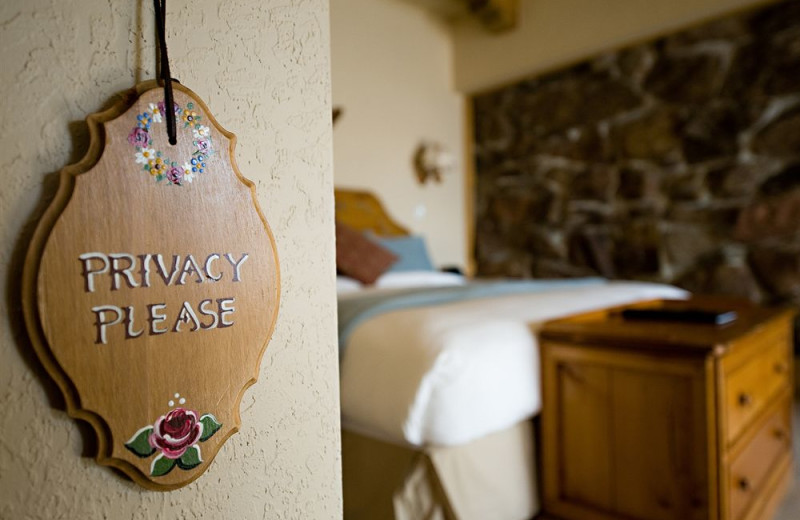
439 378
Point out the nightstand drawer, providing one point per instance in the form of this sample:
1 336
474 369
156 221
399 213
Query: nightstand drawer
749 469
664 421
749 387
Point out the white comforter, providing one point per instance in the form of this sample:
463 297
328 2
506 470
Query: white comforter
449 374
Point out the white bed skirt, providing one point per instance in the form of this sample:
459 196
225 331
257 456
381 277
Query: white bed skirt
493 477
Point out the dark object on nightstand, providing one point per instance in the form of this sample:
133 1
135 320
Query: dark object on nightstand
451 269
711 317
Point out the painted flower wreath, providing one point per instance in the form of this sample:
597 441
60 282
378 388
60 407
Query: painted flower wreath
156 162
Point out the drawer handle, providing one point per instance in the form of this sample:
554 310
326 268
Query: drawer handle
745 399
744 484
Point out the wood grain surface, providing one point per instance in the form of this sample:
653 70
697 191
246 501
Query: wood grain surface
654 420
145 297
361 210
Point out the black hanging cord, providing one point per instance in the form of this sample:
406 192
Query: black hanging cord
169 104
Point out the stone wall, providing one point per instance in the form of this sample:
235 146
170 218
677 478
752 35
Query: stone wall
674 161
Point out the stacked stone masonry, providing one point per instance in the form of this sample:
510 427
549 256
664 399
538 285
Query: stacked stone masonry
675 161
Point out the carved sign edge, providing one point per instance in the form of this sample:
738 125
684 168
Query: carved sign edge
30 275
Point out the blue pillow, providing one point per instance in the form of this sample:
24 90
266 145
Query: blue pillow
410 250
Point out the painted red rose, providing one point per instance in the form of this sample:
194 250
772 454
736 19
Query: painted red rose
163 108
203 145
174 175
139 137
175 432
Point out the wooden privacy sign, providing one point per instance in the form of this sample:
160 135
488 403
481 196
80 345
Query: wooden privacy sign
151 287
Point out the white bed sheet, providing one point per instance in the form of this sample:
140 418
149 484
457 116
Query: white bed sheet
449 374
346 286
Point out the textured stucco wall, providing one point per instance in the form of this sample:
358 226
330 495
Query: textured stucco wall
392 68
263 69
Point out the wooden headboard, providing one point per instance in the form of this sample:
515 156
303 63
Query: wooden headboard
363 211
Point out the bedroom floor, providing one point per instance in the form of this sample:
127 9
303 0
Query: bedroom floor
790 508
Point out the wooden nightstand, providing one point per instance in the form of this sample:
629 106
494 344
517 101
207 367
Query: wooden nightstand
666 420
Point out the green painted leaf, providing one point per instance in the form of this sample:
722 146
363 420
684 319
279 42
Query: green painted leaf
190 105
139 445
191 458
210 426
161 466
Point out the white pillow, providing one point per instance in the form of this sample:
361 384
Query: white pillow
407 279
346 285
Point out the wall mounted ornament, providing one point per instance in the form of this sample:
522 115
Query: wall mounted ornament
151 287
432 161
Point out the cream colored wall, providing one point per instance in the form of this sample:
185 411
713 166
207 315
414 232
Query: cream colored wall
392 75
263 68
398 72
555 33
